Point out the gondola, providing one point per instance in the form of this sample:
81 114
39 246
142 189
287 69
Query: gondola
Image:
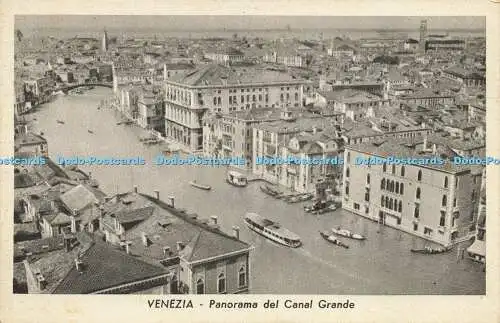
200 186
331 238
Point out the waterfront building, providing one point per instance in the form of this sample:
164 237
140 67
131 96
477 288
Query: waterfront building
157 232
216 88
435 202
342 51
477 251
30 143
270 137
39 89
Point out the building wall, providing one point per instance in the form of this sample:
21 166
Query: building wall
430 203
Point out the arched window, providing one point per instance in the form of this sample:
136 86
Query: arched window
367 178
401 188
382 201
200 286
382 184
348 157
402 171
418 193
442 219
446 182
347 172
400 207
397 187
242 277
392 186
419 176
444 200
221 283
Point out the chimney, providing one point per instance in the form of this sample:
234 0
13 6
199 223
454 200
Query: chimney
78 264
157 194
136 189
127 247
236 232
214 219
144 239
425 144
73 224
166 251
172 200
180 246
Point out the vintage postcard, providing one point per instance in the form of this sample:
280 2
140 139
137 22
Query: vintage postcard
248 161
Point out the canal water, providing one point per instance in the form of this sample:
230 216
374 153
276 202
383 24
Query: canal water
382 264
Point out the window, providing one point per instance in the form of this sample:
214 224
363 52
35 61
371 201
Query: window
455 202
347 172
443 200
200 286
427 231
382 184
391 201
416 213
397 187
401 188
419 176
394 169
418 193
402 171
400 207
415 226
442 219
368 179
382 200
367 209
446 182
367 196
384 167
221 283
347 190
387 202
242 277
356 206
473 195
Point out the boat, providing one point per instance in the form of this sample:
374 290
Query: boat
332 239
305 197
272 230
270 191
431 251
200 186
90 131
60 121
318 205
324 210
236 179
347 234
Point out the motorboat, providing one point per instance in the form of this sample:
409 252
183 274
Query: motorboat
272 230
236 179
332 239
348 234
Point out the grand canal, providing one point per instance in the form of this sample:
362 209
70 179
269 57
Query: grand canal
382 264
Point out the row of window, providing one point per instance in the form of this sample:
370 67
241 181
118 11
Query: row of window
392 186
391 204
221 282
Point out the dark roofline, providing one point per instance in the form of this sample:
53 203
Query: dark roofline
185 217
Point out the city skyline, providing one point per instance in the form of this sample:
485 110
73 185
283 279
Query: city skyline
243 22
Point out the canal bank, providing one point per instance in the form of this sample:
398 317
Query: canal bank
382 264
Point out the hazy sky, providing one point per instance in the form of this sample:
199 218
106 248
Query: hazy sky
83 22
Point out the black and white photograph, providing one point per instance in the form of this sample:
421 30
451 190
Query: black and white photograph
249 155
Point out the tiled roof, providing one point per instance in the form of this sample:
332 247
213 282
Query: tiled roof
78 198
218 75
128 216
103 267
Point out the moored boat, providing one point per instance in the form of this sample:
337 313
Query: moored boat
236 179
332 239
347 234
90 131
430 251
324 210
200 186
272 230
60 121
